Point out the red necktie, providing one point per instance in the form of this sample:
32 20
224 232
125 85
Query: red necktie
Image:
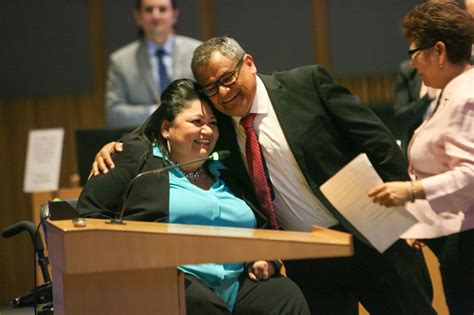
257 171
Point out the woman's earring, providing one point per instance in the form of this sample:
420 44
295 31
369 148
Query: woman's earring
440 66
168 146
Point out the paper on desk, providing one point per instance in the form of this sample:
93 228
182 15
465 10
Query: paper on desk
347 191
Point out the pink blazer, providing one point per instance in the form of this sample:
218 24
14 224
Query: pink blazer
441 155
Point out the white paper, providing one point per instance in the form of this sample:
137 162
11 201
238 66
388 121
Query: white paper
347 191
43 160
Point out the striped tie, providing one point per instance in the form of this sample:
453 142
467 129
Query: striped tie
257 170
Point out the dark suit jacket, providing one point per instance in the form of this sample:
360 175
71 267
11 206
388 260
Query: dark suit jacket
408 108
325 126
148 200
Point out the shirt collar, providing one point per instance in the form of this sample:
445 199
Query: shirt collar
157 152
167 46
451 88
260 102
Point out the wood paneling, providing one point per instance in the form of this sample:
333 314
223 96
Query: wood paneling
320 42
371 89
208 23
19 116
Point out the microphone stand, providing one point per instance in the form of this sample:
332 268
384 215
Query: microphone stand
216 156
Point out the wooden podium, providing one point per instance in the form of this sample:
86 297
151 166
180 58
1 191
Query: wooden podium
131 269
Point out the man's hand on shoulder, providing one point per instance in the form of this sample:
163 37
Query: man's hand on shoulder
103 160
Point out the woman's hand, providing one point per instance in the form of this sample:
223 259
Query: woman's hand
261 270
103 161
391 194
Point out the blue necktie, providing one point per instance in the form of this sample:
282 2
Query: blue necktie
162 73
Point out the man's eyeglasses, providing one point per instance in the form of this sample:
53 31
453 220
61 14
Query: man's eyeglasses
227 79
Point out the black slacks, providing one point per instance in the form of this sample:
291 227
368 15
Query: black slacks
277 295
455 254
395 282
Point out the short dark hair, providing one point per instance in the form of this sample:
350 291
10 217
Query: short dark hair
227 46
138 4
174 99
444 21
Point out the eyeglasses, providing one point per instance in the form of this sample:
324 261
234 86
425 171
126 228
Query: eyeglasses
227 79
413 51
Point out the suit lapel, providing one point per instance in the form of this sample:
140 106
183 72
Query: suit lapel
181 63
144 66
177 59
235 163
287 115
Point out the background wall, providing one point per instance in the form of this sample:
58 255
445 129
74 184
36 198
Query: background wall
366 41
45 49
54 57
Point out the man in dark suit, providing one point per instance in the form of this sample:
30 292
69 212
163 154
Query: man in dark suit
308 127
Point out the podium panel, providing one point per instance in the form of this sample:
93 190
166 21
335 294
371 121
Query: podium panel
131 269
125 292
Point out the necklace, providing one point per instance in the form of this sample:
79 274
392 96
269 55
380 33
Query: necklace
193 175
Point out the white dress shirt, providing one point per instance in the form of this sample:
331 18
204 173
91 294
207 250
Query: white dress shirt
296 206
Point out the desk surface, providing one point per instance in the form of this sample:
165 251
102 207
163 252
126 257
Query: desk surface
318 235
102 247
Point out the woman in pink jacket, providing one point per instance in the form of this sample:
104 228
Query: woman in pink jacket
441 152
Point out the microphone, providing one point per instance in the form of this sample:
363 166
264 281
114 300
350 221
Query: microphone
216 156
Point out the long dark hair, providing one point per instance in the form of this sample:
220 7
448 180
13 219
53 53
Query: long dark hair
174 99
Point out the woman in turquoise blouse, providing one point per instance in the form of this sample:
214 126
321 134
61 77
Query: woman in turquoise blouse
184 129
